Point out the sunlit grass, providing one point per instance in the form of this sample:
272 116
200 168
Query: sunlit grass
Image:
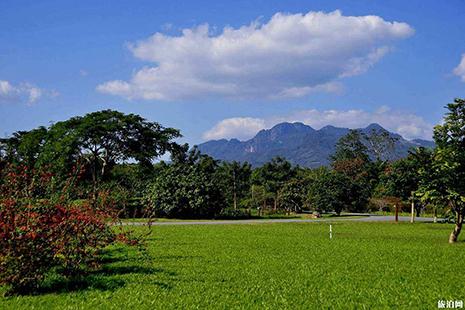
295 265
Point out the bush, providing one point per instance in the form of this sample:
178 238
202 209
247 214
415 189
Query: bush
36 238
38 234
232 214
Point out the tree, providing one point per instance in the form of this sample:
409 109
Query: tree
102 139
235 179
351 160
273 175
328 192
402 178
380 143
24 146
188 188
351 147
446 178
293 195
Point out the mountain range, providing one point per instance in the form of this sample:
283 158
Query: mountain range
299 143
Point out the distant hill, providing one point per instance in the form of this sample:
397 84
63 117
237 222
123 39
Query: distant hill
300 144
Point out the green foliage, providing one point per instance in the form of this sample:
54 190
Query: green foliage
402 178
272 176
98 140
293 195
187 188
232 214
272 266
234 179
380 144
333 191
351 147
443 182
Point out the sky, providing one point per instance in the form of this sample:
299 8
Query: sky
226 69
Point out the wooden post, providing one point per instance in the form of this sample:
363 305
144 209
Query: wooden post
397 213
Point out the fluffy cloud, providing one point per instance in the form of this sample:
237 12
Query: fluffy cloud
460 69
291 55
24 92
408 125
236 127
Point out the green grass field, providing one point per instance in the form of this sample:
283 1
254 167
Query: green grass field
295 265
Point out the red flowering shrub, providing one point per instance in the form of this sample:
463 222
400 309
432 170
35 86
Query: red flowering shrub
34 239
38 234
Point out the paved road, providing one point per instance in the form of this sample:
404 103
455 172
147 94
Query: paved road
365 218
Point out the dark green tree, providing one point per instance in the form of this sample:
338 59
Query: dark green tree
187 188
235 180
329 192
273 175
103 139
24 147
401 178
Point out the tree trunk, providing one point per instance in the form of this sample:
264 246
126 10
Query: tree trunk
412 217
235 199
458 227
234 190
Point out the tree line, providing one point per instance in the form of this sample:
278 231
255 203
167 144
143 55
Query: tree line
109 150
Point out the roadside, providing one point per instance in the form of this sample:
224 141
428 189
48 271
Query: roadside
355 217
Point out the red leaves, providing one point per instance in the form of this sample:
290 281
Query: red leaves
38 233
35 238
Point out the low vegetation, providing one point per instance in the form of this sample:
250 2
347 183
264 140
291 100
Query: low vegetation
365 265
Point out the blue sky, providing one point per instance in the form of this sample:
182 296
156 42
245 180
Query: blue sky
61 58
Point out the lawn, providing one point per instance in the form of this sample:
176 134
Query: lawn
294 265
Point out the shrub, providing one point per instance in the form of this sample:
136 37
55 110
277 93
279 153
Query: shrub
36 238
39 234
232 214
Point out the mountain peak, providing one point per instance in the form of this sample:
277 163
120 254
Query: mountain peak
297 142
375 126
286 126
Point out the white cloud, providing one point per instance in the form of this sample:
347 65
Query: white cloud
25 92
291 55
460 69
236 127
408 125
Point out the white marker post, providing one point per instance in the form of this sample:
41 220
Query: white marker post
330 231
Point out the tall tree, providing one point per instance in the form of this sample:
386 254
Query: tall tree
446 179
329 191
351 147
104 138
235 179
273 175
380 144
402 178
